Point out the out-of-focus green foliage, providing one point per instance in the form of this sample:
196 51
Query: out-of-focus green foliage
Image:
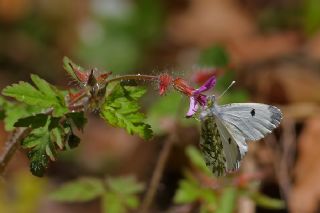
82 190
118 37
26 192
215 56
311 16
213 195
118 194
122 110
191 191
301 14
227 200
197 160
121 195
234 94
266 202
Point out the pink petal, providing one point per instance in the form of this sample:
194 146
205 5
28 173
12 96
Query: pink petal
193 107
210 83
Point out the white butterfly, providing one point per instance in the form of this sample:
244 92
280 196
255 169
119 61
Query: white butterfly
225 130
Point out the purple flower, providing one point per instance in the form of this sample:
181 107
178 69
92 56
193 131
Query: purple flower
197 98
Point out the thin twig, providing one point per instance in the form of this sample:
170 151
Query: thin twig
157 175
11 146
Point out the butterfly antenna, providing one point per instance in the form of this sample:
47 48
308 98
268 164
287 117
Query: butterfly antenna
224 92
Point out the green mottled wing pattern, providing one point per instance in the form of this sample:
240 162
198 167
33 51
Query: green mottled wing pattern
212 147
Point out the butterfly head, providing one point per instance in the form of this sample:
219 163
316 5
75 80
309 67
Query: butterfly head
207 110
211 101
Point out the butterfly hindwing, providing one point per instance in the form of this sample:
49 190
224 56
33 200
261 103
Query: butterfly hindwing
211 146
231 148
220 149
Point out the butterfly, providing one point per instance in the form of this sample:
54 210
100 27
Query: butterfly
226 129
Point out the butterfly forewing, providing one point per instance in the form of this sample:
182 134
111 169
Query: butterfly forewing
252 120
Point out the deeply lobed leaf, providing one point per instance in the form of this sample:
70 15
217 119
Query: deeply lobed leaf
35 121
41 150
122 110
45 95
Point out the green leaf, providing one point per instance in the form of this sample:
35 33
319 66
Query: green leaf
2 108
121 109
73 141
15 111
26 93
81 190
197 159
125 185
78 119
54 122
121 194
227 202
215 56
112 203
47 95
132 201
267 202
36 121
44 87
57 137
41 149
188 192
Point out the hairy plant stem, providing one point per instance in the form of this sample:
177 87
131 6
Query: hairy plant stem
133 77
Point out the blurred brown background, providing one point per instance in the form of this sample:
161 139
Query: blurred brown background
272 49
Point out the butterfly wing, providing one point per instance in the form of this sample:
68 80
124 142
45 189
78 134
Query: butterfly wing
225 130
251 120
220 149
211 146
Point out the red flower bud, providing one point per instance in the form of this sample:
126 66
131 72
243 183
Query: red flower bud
182 86
164 82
